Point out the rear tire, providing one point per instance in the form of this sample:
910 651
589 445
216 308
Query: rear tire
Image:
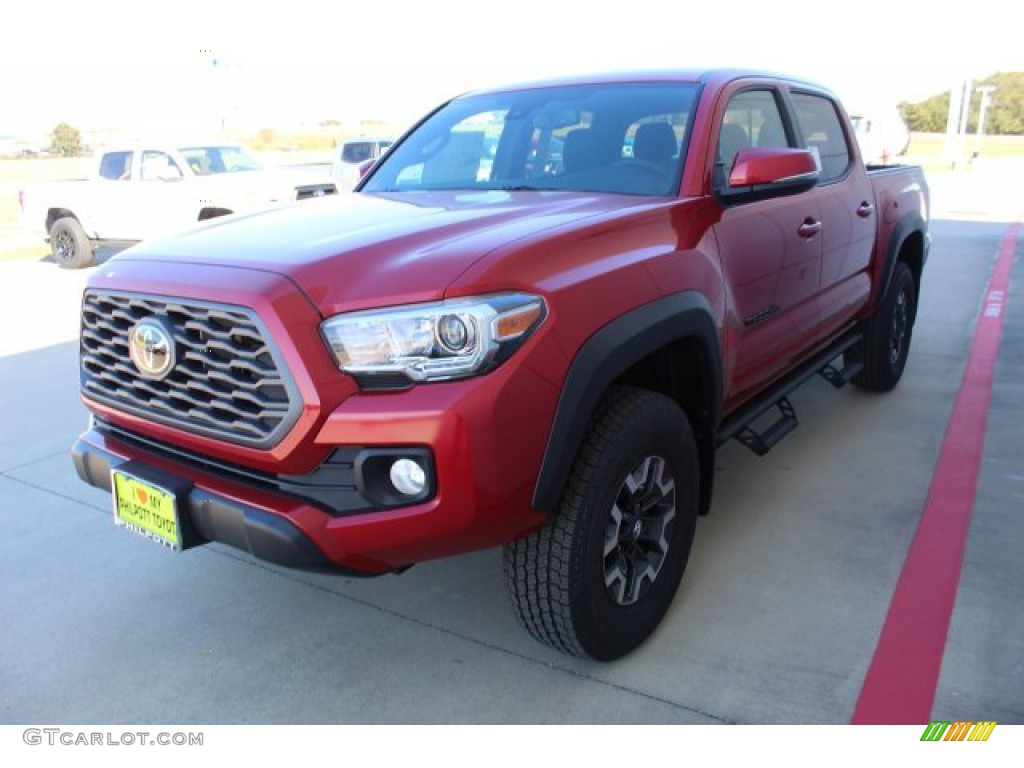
599 577
69 244
886 343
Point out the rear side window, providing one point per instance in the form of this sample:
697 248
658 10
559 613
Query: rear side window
824 133
116 166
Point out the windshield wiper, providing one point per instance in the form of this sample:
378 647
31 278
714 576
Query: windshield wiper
525 188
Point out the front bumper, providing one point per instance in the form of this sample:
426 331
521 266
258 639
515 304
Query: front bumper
214 517
483 460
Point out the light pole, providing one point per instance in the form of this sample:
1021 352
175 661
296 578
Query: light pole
986 93
961 135
956 100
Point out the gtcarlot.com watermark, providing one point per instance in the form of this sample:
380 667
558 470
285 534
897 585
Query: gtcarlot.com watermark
58 736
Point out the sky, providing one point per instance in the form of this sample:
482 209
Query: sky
192 65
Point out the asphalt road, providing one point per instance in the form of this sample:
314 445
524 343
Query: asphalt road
776 621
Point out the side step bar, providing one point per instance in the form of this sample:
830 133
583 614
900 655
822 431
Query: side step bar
738 425
762 442
840 378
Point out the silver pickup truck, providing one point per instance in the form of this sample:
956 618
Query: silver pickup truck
141 192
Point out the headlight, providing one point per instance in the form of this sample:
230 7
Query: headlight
432 342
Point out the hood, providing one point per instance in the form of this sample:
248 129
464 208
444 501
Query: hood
356 251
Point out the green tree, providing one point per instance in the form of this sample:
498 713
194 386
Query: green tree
66 141
1006 104
927 116
1005 113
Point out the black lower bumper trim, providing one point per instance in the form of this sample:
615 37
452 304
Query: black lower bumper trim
331 487
214 518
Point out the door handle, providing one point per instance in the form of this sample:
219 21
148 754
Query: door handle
865 209
809 228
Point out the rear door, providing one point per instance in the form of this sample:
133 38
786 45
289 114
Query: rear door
847 210
769 249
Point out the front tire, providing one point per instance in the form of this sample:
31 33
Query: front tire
69 244
599 577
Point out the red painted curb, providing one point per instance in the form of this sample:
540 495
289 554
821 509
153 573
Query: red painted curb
900 684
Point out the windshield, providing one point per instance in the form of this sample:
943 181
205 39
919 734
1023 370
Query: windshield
624 138
224 159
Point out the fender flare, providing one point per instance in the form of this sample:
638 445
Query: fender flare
53 214
605 356
905 227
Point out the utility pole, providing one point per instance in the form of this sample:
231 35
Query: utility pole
986 94
956 94
217 89
965 111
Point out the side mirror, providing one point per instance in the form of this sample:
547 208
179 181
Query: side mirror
365 166
759 173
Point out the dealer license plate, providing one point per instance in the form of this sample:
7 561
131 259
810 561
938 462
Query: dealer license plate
146 509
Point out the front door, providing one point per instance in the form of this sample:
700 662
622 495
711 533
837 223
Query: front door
770 251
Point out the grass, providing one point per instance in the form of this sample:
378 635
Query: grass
323 139
17 253
929 150
14 244
16 247
9 210
932 145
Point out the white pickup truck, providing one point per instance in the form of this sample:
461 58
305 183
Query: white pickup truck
353 159
142 192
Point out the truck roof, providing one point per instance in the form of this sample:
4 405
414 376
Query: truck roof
163 145
709 76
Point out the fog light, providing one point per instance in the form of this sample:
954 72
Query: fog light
408 477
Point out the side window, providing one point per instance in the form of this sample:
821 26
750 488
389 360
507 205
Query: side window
356 151
752 119
824 133
116 166
159 166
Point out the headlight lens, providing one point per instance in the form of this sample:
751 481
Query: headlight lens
433 342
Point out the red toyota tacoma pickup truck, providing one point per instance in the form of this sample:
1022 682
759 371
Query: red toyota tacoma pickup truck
532 326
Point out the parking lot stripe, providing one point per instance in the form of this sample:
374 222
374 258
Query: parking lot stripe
900 684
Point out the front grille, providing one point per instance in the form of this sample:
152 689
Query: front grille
307 191
228 381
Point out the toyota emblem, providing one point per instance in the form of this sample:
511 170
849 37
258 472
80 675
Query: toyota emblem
151 348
